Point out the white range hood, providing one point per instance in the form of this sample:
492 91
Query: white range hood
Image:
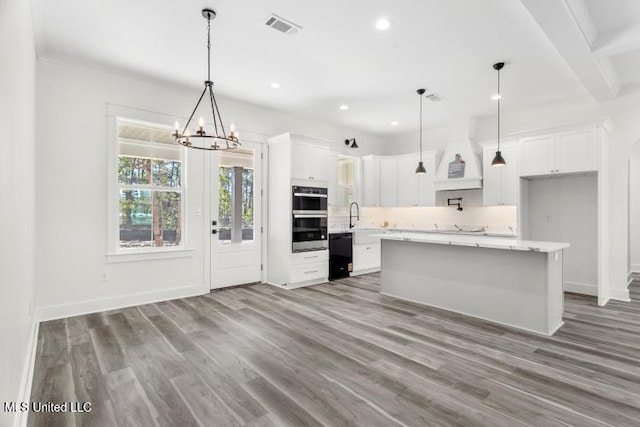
460 167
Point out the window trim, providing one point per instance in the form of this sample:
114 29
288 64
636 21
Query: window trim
113 253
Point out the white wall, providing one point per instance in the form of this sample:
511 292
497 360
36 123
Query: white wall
634 209
565 209
72 187
17 197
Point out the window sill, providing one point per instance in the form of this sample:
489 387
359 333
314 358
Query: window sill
156 254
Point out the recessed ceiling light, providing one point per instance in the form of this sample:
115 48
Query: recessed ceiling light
383 24
344 107
496 97
394 123
275 85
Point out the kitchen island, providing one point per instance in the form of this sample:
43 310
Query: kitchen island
514 282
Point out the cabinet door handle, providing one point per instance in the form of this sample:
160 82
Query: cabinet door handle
311 257
311 271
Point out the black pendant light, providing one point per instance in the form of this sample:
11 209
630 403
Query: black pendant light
217 138
498 160
420 170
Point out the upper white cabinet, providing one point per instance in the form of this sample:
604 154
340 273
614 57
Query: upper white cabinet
576 151
564 152
309 162
332 179
407 181
500 184
391 181
388 181
371 180
416 190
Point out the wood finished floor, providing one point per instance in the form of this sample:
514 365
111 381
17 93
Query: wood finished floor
337 354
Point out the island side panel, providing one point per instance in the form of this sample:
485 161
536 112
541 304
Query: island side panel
555 281
504 286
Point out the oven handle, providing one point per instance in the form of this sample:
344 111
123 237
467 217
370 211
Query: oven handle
310 215
309 195
310 212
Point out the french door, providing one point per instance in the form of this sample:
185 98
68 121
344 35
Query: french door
236 213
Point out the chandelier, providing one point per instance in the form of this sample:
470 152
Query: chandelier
216 137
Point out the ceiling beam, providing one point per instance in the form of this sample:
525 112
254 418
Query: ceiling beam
571 30
615 42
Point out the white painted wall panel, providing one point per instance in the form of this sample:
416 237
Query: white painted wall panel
17 199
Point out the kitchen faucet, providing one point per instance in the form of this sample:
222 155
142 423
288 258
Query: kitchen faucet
350 213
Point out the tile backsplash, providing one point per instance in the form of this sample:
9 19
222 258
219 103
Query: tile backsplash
498 219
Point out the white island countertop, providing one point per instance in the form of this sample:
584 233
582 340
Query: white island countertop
476 241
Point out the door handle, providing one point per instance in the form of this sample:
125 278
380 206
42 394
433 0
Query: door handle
214 231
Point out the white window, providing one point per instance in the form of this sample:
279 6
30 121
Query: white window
150 185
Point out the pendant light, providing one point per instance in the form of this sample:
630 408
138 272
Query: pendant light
420 170
217 138
498 160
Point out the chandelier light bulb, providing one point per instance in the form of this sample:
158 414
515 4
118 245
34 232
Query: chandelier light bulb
177 126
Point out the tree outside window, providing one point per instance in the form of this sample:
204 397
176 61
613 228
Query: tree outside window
150 181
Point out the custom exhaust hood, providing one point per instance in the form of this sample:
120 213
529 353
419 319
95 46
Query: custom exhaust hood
460 167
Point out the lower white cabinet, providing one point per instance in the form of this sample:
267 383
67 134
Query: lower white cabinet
366 258
308 266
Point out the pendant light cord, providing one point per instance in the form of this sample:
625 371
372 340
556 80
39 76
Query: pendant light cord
499 96
420 127
209 47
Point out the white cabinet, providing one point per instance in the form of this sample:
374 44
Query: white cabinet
332 180
407 180
564 152
388 181
366 258
413 189
371 180
391 181
500 184
576 151
306 266
309 162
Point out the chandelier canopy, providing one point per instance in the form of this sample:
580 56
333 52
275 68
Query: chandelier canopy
213 137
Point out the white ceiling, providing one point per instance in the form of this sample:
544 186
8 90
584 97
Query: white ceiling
338 57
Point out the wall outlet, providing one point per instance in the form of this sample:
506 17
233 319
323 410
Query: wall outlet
104 276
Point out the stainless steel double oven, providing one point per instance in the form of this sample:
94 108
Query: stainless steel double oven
309 218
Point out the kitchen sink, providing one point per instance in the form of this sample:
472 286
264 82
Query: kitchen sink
366 236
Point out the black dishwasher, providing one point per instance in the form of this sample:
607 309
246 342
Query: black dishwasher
340 255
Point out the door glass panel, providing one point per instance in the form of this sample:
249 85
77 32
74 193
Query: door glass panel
224 214
247 204
236 196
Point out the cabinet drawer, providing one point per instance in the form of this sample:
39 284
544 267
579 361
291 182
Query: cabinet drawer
311 271
300 258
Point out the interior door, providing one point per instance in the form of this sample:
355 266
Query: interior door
236 212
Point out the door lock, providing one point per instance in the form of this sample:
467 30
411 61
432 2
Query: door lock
214 231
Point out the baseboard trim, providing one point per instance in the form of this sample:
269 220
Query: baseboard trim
580 288
365 271
92 306
27 373
552 329
619 295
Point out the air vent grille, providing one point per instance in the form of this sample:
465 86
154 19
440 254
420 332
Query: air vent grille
283 25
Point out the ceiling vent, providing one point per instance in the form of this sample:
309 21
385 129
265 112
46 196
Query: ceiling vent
282 25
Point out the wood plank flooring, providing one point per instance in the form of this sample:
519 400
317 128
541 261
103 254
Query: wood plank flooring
337 354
